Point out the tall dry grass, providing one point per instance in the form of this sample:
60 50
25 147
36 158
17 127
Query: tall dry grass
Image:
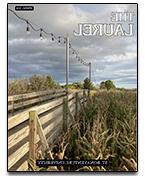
107 132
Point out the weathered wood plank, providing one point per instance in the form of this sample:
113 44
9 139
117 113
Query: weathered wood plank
32 136
21 134
18 136
55 134
41 135
23 116
33 94
17 119
49 106
17 155
32 101
23 167
52 125
51 115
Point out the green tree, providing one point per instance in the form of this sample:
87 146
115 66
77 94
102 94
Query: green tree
88 84
107 85
102 85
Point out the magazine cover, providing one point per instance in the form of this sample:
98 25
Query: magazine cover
72 87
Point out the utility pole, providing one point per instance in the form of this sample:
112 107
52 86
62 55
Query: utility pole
67 62
90 71
66 113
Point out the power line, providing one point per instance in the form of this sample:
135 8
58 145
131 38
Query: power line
52 35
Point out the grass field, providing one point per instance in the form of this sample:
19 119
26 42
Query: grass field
108 131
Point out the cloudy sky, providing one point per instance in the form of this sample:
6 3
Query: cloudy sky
112 58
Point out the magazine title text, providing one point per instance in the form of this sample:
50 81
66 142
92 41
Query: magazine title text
121 25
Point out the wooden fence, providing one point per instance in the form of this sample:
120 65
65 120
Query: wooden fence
40 125
26 100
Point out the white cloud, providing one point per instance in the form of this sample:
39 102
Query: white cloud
120 57
28 54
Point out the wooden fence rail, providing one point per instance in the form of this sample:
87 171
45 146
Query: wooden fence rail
24 100
38 126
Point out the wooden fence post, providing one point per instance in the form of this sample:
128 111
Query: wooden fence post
76 106
32 137
65 104
84 98
83 111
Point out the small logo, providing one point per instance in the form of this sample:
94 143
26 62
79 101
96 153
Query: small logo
24 8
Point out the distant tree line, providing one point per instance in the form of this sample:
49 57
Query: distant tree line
42 83
87 84
32 84
46 82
